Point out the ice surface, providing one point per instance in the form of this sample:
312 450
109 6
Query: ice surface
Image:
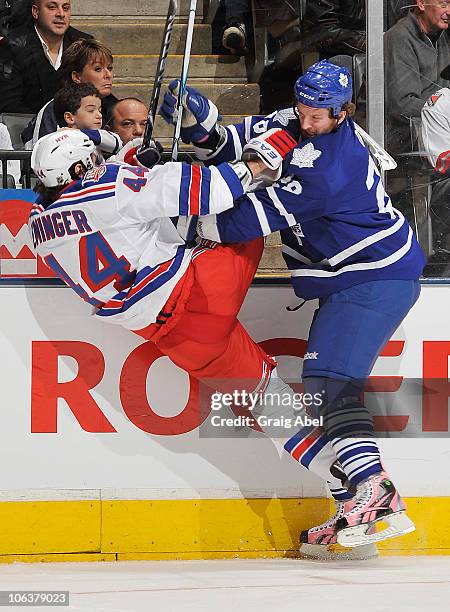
386 584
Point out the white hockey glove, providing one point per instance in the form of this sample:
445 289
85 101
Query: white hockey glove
146 158
207 228
200 115
271 148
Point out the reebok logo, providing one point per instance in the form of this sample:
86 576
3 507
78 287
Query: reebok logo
314 355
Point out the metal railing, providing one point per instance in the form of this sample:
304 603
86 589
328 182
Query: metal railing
25 161
24 157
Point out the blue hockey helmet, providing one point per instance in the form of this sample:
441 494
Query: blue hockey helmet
324 85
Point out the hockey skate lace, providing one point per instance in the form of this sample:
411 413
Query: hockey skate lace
366 494
331 521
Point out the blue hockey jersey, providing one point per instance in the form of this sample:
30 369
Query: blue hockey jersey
338 225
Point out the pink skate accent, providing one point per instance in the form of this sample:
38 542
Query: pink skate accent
325 533
376 497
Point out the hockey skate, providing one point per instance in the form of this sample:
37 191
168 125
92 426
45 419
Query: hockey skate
320 542
376 501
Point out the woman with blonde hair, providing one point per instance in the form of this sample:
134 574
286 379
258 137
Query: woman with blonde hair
85 61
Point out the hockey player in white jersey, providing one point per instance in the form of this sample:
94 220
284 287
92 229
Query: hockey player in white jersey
107 232
435 144
344 244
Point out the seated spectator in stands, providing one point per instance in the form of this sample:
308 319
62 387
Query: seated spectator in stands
435 144
78 106
6 144
85 61
416 52
31 55
128 118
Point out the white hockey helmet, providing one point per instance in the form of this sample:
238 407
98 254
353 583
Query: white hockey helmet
55 153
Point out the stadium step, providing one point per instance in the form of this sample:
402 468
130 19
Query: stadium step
230 98
143 36
200 67
133 8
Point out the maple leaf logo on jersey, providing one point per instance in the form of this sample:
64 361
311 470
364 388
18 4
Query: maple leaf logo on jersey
343 79
285 115
306 156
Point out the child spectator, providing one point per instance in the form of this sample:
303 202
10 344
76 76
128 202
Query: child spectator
78 105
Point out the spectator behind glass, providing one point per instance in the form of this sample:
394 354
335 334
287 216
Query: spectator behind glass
31 55
78 106
85 61
128 119
416 51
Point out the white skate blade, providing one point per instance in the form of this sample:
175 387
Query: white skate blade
399 524
334 552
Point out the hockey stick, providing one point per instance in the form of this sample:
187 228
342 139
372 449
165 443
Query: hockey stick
184 77
186 226
385 161
165 44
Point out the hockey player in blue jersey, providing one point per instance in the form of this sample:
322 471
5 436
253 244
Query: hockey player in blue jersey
344 244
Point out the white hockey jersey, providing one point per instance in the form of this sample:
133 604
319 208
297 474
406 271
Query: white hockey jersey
435 130
109 236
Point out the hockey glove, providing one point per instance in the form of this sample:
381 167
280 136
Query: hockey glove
200 115
108 142
146 158
271 148
93 135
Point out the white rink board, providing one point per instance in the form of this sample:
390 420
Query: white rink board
130 463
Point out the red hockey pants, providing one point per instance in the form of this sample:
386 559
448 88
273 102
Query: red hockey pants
198 327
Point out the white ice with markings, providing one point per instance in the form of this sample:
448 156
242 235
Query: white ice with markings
386 584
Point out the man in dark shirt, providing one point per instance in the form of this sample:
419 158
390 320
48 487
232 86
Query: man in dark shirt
30 57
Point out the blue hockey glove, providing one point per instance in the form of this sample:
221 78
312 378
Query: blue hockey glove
93 135
200 115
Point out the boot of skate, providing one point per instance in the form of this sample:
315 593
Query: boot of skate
376 501
320 542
